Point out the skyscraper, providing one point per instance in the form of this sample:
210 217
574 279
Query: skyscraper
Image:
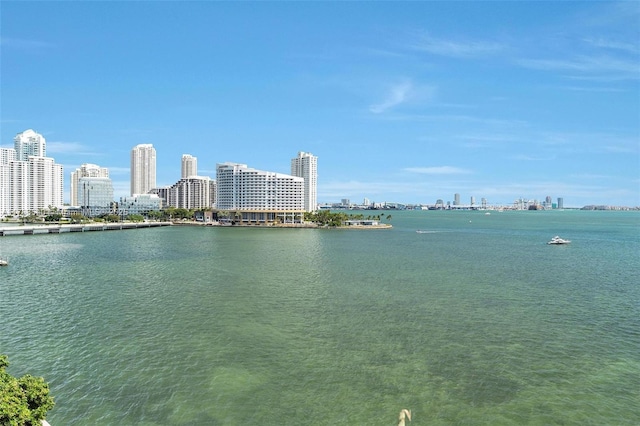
143 169
189 166
242 188
35 185
29 143
305 165
30 182
7 155
85 171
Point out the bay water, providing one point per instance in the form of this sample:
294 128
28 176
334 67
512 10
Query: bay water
475 321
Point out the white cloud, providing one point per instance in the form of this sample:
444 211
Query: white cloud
440 170
613 45
457 49
23 43
67 148
586 64
397 95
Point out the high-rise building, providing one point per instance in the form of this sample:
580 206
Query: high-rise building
35 185
259 196
143 169
305 165
193 192
30 182
560 203
29 143
189 166
7 155
456 199
95 195
85 171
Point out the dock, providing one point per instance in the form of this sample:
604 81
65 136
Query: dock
91 227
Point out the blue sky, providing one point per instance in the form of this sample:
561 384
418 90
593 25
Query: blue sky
401 101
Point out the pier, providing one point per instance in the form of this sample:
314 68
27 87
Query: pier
58 229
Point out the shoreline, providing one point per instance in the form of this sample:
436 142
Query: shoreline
284 225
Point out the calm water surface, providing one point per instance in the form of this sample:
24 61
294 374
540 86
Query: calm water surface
477 322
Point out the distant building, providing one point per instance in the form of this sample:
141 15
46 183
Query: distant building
163 193
189 166
30 182
139 204
29 143
84 171
560 203
94 195
305 165
7 156
456 199
193 192
35 185
143 169
256 196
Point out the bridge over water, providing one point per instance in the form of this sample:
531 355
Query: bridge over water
58 229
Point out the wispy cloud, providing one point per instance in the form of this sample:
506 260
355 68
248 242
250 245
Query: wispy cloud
68 148
396 96
16 43
118 170
457 49
592 89
613 45
586 64
439 170
525 157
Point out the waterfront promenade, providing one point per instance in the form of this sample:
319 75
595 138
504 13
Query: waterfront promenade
58 229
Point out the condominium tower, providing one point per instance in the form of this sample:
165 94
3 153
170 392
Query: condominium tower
193 192
257 196
305 165
29 181
29 143
85 171
189 166
143 169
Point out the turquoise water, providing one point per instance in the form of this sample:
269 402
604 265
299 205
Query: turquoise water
477 322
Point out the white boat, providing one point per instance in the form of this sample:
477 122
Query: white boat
4 262
557 240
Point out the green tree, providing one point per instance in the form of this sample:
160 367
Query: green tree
135 218
24 401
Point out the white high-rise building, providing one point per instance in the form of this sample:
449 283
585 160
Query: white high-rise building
30 182
143 169
7 155
305 165
193 192
86 170
35 185
240 188
189 166
29 143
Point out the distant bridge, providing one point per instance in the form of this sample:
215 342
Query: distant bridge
58 229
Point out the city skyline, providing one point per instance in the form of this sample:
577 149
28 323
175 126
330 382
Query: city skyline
403 102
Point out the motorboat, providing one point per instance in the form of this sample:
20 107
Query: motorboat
557 240
4 262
